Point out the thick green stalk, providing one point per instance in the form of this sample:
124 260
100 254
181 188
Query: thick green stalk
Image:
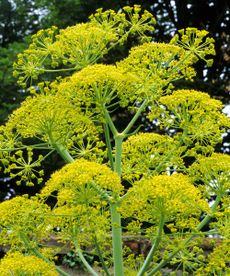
63 152
154 247
115 216
199 227
118 146
117 240
208 217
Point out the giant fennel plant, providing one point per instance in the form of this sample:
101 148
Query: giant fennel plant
166 187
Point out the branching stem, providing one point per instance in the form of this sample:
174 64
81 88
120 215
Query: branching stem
204 222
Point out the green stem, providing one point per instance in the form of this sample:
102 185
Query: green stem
39 255
84 261
209 217
117 240
101 257
57 70
154 247
118 146
63 152
109 121
199 227
135 117
108 144
79 252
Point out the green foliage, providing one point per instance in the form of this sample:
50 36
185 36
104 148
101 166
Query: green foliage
159 185
71 259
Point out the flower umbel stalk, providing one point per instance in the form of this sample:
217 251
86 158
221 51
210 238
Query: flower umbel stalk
154 247
204 222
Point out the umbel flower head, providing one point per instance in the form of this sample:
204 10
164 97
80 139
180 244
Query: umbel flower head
48 117
97 87
146 154
129 20
22 166
213 172
196 42
81 45
82 190
54 119
23 216
81 175
18 264
154 66
173 197
8 141
197 118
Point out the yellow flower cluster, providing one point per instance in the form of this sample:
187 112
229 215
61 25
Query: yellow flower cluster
156 65
18 264
82 190
25 169
8 141
147 154
197 118
214 172
129 21
46 116
174 197
54 119
81 223
195 42
98 86
80 175
218 261
22 215
81 45
222 221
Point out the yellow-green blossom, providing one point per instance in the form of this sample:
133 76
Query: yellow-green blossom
222 222
196 117
147 154
23 216
83 44
218 261
8 141
81 175
80 223
25 169
98 86
156 65
128 21
55 120
214 172
196 43
171 196
18 264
